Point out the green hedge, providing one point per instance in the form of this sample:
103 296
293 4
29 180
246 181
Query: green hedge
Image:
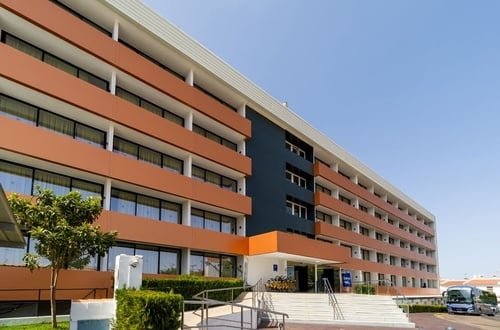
420 308
188 286
364 289
146 309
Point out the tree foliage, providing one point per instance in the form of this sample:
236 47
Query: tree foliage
63 226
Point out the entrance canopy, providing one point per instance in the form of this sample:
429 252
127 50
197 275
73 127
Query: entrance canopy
296 248
10 234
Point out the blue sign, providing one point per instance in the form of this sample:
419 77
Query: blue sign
346 280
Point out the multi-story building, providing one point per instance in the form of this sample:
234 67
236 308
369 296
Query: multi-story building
200 171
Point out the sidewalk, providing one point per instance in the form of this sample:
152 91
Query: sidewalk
427 321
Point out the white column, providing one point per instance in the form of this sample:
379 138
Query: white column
188 163
107 194
116 28
112 83
186 213
190 78
109 137
188 121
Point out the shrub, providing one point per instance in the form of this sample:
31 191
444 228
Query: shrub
420 308
364 289
187 286
146 309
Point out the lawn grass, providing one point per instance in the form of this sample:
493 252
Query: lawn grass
37 326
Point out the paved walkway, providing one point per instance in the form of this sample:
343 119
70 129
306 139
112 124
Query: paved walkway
423 321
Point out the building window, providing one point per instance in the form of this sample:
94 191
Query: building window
211 177
379 236
380 258
378 215
31 114
214 137
365 254
404 262
212 265
213 221
140 102
136 151
23 180
367 277
344 199
364 231
296 179
323 217
323 189
363 208
392 260
296 209
145 206
296 150
345 224
53 60
156 260
391 241
381 279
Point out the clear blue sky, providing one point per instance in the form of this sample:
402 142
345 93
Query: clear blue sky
410 88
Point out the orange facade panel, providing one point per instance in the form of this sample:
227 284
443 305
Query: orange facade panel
276 241
370 266
339 180
23 69
84 36
136 229
350 237
352 212
43 144
19 283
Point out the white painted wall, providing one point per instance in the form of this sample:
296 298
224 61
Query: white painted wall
263 267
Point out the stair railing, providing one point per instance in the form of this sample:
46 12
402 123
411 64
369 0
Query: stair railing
337 311
258 289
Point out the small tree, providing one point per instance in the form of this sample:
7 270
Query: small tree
64 232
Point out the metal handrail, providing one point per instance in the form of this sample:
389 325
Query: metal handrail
205 302
242 324
333 300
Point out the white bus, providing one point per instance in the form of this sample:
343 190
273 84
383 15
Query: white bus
466 299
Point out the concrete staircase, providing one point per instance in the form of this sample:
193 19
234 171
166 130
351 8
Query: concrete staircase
359 310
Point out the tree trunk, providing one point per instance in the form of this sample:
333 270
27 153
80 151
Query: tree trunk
53 285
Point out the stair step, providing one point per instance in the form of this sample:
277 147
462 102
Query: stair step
361 310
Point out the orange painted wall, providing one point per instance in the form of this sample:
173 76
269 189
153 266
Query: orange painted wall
295 244
28 71
343 208
336 178
348 236
54 147
136 229
83 36
18 283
